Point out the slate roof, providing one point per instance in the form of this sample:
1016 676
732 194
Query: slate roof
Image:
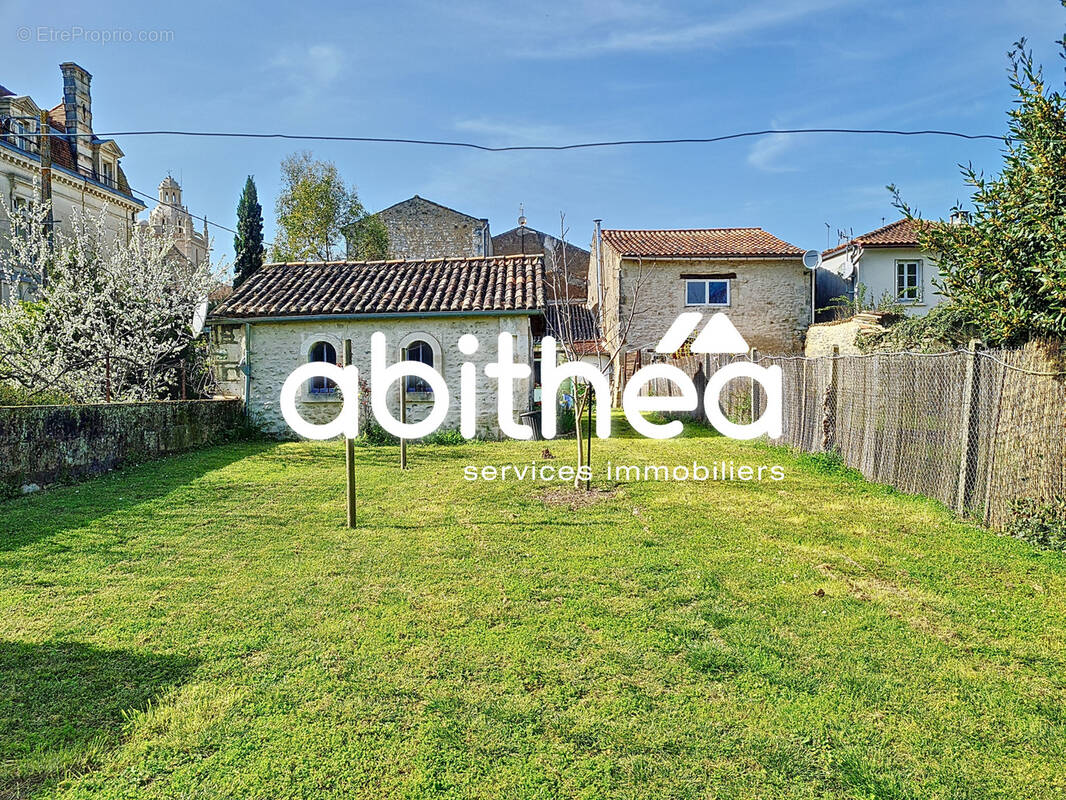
901 233
63 155
700 242
470 285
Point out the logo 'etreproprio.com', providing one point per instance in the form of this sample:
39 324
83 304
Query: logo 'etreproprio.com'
719 336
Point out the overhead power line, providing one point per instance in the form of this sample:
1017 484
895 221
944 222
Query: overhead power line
535 147
571 146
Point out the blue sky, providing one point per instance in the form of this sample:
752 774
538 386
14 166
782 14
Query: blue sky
551 72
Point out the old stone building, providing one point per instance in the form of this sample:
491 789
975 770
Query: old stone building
286 315
86 171
420 228
651 276
172 219
565 265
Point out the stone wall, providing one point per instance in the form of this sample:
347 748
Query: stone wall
843 334
769 299
40 445
277 348
420 228
568 287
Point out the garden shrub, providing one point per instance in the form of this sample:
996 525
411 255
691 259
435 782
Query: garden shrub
1042 524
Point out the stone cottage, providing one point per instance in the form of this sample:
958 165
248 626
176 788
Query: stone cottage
651 276
286 315
420 228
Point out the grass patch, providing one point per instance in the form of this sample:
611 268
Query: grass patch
205 626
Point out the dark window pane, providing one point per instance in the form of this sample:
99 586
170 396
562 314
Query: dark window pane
323 351
717 293
419 351
696 293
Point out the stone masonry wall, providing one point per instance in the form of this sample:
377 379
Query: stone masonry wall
277 348
44 444
843 334
769 300
823 337
419 228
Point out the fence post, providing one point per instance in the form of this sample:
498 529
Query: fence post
349 451
968 434
753 356
829 403
403 421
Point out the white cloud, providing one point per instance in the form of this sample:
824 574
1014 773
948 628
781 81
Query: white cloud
316 65
767 152
660 31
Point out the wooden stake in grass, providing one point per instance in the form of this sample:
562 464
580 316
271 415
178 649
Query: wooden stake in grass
349 450
403 421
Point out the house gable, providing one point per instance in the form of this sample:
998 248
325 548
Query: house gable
419 228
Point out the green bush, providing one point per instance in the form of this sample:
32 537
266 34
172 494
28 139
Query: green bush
449 437
564 421
11 395
374 434
946 327
1041 524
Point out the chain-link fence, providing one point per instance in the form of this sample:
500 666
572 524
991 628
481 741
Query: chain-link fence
974 429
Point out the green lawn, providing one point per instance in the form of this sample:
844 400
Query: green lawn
205 626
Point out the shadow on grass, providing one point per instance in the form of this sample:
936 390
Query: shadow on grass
63 706
28 519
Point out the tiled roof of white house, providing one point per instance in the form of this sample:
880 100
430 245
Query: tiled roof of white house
901 233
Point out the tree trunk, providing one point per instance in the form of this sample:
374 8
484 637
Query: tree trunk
578 438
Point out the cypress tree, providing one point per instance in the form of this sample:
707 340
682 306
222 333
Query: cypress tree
248 243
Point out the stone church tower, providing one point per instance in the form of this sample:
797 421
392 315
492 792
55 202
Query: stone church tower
172 219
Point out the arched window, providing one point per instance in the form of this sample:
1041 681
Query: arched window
418 351
322 351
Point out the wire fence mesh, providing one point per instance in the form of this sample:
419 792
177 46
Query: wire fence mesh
975 429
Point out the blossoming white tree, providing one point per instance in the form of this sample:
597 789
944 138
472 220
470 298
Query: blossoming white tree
109 317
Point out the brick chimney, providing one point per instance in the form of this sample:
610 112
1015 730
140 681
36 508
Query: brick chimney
78 111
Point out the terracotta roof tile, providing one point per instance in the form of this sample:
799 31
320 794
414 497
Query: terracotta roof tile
501 283
700 242
901 233
571 322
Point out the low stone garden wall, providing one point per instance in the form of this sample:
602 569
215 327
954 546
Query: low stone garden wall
842 334
40 445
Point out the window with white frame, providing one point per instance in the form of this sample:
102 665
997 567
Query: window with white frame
707 292
909 280
322 351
